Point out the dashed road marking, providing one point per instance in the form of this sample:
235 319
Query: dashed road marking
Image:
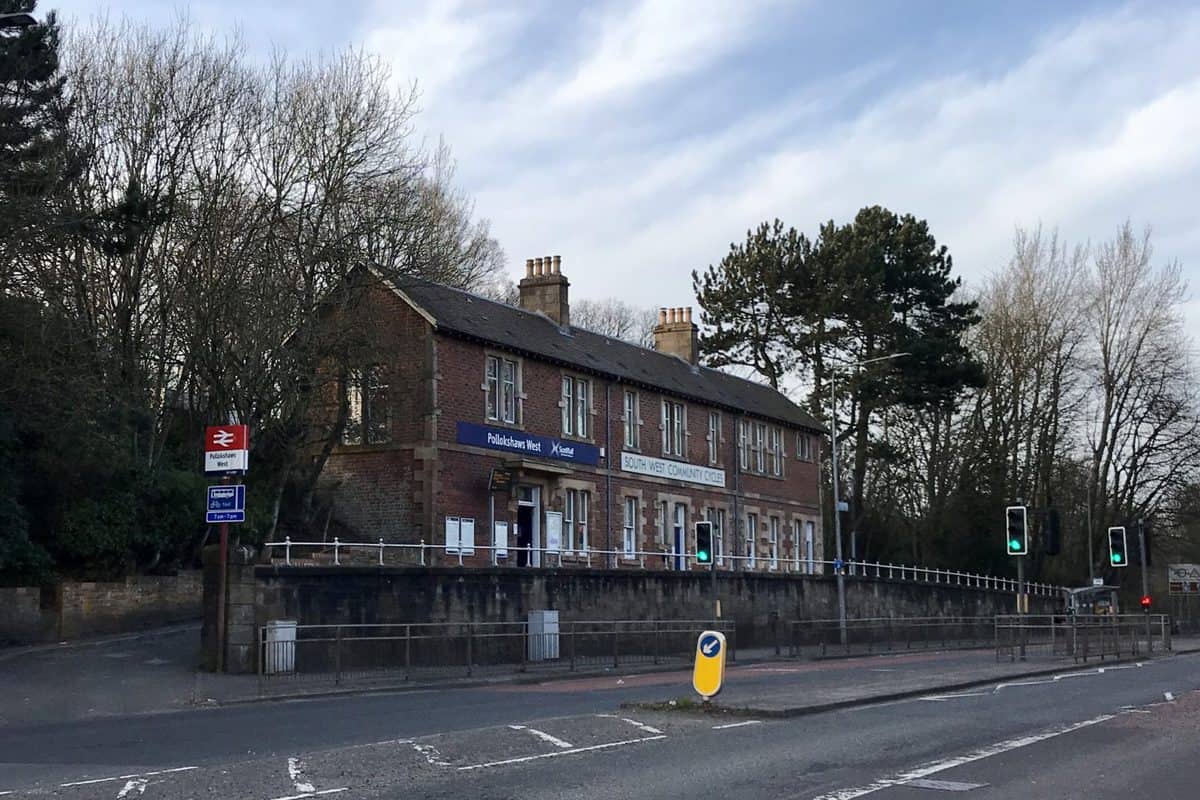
573 751
958 761
639 725
431 754
312 794
737 724
296 772
136 785
127 777
945 786
545 737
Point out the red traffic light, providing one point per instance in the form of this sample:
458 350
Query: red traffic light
1145 601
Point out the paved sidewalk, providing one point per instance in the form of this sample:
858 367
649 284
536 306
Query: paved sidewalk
798 687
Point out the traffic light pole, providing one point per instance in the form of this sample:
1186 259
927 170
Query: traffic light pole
1145 576
1021 601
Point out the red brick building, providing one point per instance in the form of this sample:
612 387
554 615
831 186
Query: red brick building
498 432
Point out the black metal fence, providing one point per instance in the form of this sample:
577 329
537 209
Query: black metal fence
289 653
822 638
1081 637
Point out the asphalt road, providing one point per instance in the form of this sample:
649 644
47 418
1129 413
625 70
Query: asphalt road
1125 732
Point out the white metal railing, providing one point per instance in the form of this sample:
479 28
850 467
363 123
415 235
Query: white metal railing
424 552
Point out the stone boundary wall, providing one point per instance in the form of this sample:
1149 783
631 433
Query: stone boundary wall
79 609
758 603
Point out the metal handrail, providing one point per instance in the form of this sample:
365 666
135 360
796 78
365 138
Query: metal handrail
738 563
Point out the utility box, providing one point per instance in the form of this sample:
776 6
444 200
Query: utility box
280 647
543 636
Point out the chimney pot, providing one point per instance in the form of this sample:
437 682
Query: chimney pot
677 334
544 289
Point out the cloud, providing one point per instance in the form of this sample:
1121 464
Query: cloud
1088 125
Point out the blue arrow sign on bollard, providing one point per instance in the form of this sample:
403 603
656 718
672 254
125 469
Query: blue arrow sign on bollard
226 504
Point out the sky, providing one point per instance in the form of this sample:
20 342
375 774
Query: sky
638 139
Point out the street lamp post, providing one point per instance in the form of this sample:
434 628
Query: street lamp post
837 512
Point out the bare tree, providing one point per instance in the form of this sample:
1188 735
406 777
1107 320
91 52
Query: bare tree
1143 412
616 318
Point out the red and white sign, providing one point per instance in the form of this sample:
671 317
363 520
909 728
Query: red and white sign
226 448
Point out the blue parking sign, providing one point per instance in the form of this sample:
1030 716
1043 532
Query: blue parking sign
226 504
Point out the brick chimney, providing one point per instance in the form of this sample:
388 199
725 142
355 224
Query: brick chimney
544 289
676 334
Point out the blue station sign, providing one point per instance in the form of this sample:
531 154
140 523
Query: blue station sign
527 444
226 504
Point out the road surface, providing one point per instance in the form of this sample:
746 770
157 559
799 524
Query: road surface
1113 732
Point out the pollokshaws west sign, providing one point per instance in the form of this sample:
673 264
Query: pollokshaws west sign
675 470
529 444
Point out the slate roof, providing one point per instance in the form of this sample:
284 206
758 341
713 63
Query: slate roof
458 312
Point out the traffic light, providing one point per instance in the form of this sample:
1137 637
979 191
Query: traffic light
1118 553
1052 534
704 542
1018 530
1146 602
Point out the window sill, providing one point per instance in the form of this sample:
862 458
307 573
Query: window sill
495 423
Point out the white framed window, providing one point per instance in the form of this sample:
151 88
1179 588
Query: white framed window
810 546
575 520
717 517
776 452
576 406
714 435
367 407
743 441
804 447
629 539
673 428
773 523
633 420
751 536
758 446
502 387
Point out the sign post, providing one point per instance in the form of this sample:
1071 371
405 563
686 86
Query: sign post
226 452
709 670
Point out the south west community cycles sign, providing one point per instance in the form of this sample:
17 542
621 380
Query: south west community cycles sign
675 470
527 444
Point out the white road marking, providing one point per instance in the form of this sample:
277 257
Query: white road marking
522 759
1168 697
941 698
737 724
127 777
545 737
311 794
945 786
137 784
296 773
9 791
431 754
958 761
639 725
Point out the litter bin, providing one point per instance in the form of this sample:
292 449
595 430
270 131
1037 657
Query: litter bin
543 635
280 655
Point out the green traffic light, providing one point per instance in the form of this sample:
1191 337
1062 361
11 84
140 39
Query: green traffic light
1014 544
702 555
1116 558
